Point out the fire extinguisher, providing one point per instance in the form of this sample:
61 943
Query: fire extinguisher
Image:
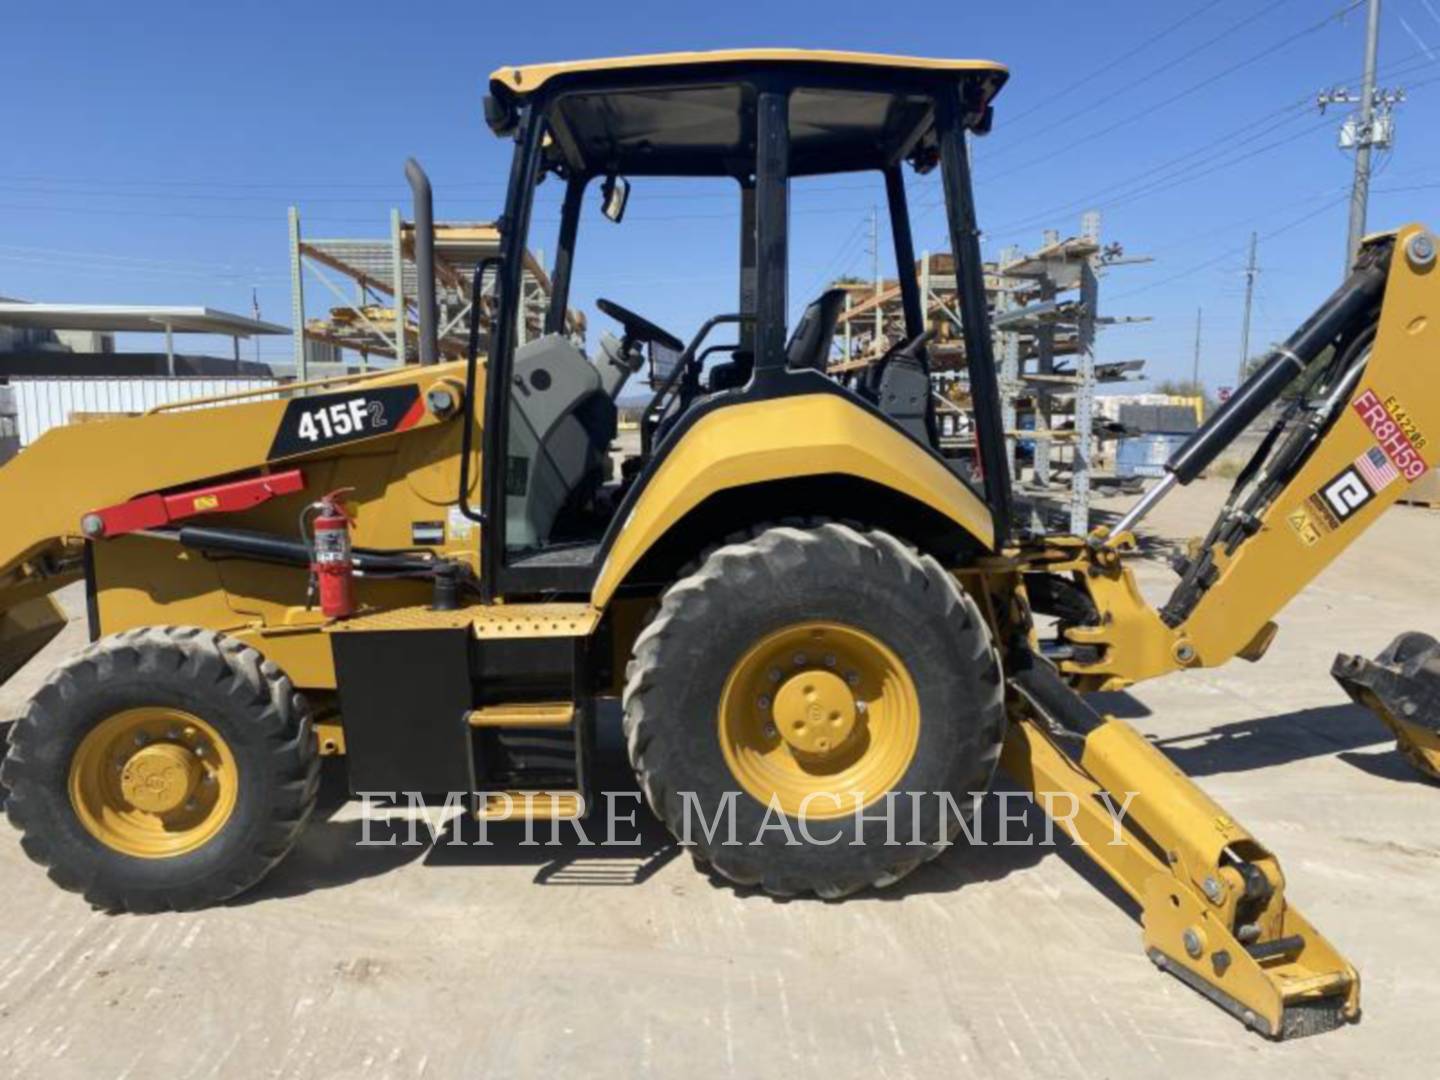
332 566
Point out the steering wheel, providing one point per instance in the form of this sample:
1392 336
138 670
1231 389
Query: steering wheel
639 328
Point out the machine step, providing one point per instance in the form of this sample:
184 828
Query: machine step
523 714
531 806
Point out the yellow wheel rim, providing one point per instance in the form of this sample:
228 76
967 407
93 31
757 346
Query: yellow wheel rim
821 717
153 782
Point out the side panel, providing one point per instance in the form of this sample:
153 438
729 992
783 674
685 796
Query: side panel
404 695
754 442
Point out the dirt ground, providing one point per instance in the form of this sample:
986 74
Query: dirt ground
573 961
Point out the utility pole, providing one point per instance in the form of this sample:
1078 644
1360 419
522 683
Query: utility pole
1195 367
875 267
1250 271
1372 127
1360 190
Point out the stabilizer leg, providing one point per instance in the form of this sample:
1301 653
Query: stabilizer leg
1212 897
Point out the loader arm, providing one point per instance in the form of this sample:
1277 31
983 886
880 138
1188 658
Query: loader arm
1347 448
47 490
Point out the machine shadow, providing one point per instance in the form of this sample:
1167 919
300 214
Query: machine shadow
1276 740
1387 766
620 843
5 726
1011 833
329 853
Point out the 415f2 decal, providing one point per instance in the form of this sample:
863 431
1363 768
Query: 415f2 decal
312 423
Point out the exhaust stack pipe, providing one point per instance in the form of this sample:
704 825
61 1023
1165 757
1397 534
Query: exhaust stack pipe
424 260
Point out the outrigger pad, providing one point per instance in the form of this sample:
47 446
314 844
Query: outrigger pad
1298 1020
1402 687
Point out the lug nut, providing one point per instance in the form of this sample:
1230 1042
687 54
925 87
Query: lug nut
141 739
775 674
799 659
764 702
770 731
830 660
852 679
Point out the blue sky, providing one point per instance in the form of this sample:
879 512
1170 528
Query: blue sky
150 150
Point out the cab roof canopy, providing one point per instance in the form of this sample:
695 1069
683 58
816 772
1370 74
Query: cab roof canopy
692 114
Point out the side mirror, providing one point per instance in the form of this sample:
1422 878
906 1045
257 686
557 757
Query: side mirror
614 194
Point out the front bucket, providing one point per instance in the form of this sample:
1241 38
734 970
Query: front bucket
1402 687
25 629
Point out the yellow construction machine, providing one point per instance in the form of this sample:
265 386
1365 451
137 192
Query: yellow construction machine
438 570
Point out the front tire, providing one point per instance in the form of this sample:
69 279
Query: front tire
815 670
164 768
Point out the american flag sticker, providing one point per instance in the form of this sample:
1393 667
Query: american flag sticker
1377 469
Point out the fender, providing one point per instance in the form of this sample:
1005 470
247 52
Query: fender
782 438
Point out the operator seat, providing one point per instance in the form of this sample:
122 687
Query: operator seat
562 422
809 348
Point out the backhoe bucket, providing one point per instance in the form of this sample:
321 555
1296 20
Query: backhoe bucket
1402 687
25 629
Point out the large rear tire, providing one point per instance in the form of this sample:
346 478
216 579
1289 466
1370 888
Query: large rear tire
164 768
816 671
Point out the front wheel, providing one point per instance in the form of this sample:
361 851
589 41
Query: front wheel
811 709
162 768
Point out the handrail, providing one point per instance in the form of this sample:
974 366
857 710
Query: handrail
647 421
471 362
261 391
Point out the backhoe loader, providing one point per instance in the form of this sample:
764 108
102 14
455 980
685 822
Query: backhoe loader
438 570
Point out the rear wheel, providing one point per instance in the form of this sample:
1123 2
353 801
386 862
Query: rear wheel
162 768
818 677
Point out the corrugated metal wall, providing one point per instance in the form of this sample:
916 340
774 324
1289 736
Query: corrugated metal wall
45 402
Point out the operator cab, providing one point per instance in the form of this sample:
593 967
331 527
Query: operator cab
757 119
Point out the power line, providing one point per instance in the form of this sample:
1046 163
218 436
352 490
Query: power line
1175 170
1130 84
1180 95
1231 252
1294 110
1115 62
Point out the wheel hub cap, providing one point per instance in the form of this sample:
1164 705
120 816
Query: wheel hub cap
159 778
815 712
